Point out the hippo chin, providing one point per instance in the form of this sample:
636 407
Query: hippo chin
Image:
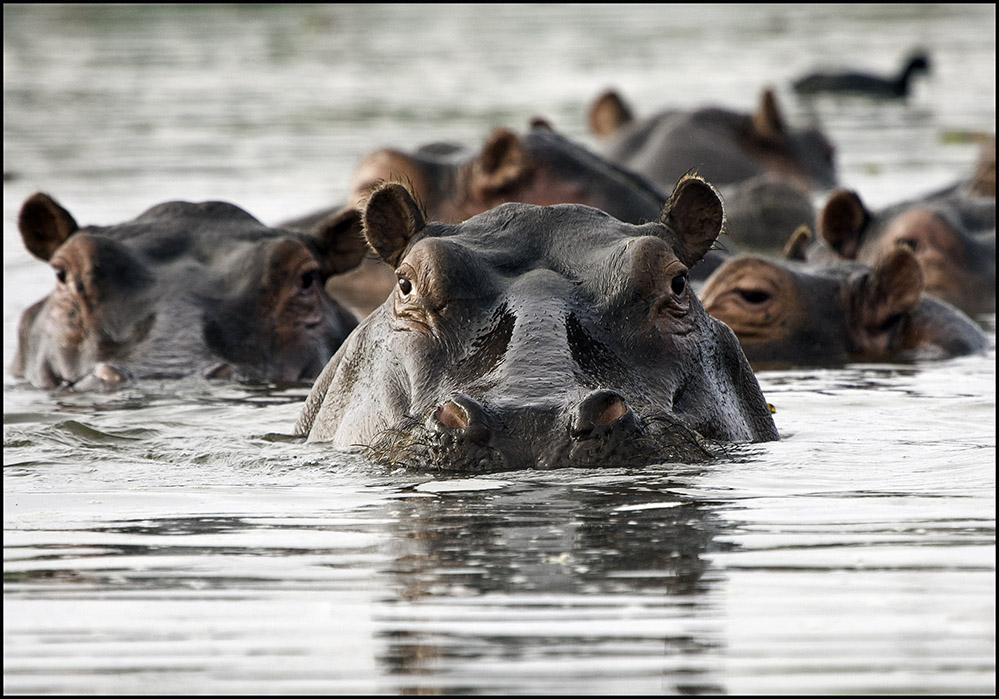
539 337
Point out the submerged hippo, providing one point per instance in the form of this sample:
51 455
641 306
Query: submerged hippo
539 337
958 262
794 312
860 83
723 146
540 167
182 289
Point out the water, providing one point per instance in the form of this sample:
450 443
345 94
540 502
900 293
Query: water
174 538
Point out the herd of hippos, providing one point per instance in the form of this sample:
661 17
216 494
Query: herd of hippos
533 303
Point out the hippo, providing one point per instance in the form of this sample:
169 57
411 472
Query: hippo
184 288
858 83
951 234
762 211
539 167
789 311
723 146
539 337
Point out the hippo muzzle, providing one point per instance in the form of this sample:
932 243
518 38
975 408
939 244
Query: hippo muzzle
460 434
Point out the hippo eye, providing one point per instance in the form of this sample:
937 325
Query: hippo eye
309 278
60 274
753 296
908 243
679 284
405 286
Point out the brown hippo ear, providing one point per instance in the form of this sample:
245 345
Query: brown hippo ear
44 225
391 219
341 241
768 121
842 222
983 182
694 212
797 245
607 114
894 286
501 162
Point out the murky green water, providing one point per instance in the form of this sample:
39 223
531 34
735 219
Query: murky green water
174 538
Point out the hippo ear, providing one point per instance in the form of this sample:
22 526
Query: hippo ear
607 114
391 219
694 212
500 164
842 222
341 241
894 287
540 123
983 181
44 225
797 245
768 121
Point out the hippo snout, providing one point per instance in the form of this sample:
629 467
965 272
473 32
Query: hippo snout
464 434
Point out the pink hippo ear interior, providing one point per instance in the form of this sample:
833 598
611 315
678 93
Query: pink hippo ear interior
341 241
895 286
44 225
842 222
391 219
608 113
694 212
500 164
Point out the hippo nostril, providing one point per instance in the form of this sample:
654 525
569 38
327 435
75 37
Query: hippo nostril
610 412
464 414
598 408
452 415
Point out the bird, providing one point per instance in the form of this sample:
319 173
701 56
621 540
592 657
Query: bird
864 83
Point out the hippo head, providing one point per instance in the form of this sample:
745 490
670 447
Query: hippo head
795 312
539 337
957 267
182 289
725 146
539 167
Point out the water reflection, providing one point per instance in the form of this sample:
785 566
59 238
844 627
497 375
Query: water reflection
536 574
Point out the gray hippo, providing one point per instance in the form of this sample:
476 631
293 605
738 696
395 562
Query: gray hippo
723 146
539 337
182 289
788 311
860 83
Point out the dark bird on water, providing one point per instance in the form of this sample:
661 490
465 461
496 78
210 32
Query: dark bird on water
864 83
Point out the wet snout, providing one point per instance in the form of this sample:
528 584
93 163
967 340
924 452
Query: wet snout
538 435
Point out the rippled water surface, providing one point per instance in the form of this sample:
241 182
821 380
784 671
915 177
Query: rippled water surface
175 538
